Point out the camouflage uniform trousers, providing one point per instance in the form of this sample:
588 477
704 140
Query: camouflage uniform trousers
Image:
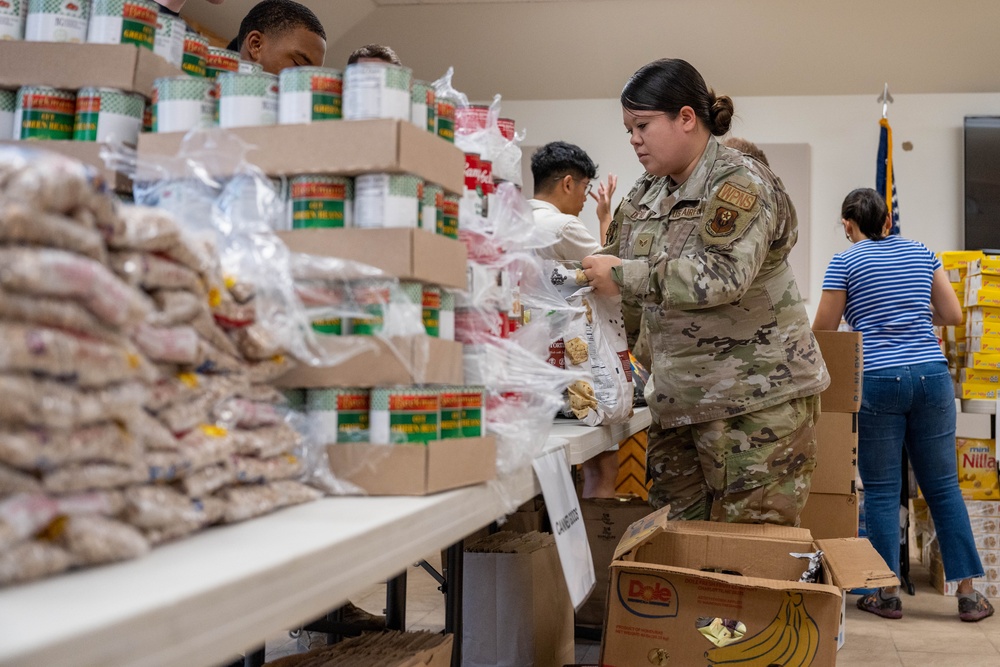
753 468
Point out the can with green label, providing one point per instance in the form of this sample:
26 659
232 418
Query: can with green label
309 94
108 115
451 412
431 207
375 299
377 90
432 310
445 123
169 41
8 102
423 109
195 58
386 200
41 112
250 67
247 100
330 327
446 330
449 217
123 22
57 21
12 16
322 201
474 412
221 60
339 415
182 103
408 415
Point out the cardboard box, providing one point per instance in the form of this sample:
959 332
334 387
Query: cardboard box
606 520
842 352
75 66
831 515
408 254
529 518
516 607
379 366
339 148
668 574
415 470
87 152
836 453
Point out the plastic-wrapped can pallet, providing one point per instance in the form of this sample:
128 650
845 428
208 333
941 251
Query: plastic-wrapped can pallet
44 113
322 201
507 128
309 94
377 90
12 16
386 200
221 60
123 22
247 100
57 21
182 103
108 115
195 58
169 42
8 102
423 109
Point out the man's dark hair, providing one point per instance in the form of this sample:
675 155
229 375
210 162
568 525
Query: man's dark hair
555 160
234 45
374 51
270 17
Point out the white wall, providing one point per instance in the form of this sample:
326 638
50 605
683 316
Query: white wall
843 134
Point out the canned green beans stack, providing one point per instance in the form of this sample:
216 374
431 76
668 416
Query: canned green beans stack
340 415
108 115
57 21
310 94
451 399
12 16
446 330
408 415
449 217
386 200
322 201
431 208
474 412
181 103
423 106
377 90
221 60
247 100
123 22
195 58
41 112
445 123
169 41
432 310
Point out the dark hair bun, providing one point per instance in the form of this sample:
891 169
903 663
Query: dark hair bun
721 114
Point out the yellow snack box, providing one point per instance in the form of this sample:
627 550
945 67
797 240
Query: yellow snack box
981 281
977 469
978 392
988 344
955 259
985 265
983 361
984 296
975 376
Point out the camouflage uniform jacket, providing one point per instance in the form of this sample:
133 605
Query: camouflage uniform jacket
711 306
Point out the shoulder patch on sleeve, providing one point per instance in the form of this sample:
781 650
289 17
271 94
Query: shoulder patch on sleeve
732 208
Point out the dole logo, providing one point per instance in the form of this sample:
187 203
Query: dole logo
646 595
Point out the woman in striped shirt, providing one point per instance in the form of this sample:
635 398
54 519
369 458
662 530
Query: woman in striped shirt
893 291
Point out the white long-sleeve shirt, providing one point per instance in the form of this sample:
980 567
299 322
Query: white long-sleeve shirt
574 241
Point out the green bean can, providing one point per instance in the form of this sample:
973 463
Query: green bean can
431 207
108 115
446 330
377 90
340 415
182 103
123 22
432 310
195 58
408 415
445 123
423 109
474 412
448 225
451 412
250 67
169 41
329 327
44 113
221 60
310 94
12 16
386 200
247 100
57 21
373 298
322 201
8 102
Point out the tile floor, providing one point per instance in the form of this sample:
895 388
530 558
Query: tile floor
929 634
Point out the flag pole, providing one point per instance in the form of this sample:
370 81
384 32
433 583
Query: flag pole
886 99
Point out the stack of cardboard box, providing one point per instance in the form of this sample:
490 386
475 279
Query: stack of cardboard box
832 507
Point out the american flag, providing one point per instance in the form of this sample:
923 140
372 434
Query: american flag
885 181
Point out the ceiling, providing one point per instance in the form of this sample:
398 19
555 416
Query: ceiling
584 49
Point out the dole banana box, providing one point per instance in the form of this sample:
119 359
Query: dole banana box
668 574
977 470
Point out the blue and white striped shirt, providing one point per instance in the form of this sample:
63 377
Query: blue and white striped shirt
888 285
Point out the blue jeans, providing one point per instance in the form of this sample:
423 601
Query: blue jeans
913 406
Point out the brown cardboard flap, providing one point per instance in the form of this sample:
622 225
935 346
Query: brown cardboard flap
378 365
87 152
842 352
836 453
408 254
340 148
854 563
74 66
474 458
640 531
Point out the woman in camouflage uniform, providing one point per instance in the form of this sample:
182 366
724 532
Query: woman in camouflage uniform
698 251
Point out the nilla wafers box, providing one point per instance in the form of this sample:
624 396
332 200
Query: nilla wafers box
977 469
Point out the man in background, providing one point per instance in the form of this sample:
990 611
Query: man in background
374 53
564 176
279 34
747 148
